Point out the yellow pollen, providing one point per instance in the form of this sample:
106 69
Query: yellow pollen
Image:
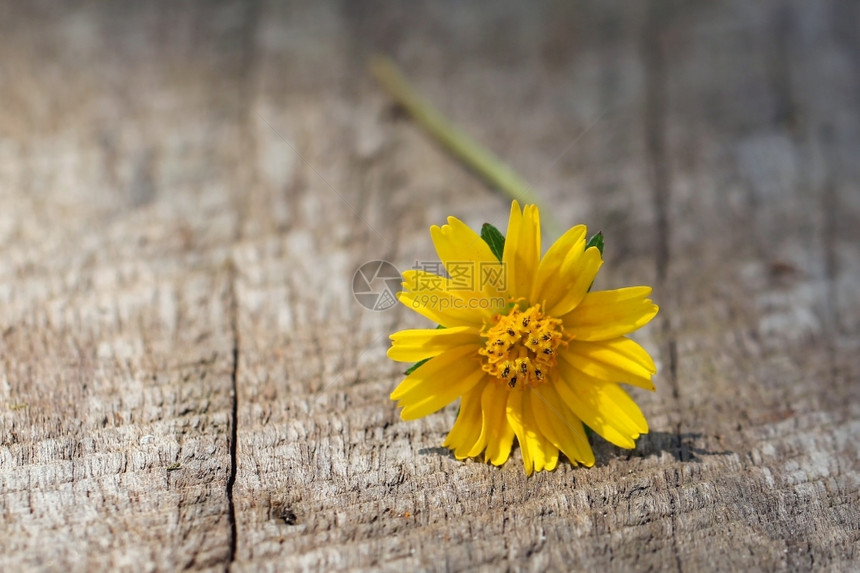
520 348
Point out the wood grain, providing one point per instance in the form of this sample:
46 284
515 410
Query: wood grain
186 190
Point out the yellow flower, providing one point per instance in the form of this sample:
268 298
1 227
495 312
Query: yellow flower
530 352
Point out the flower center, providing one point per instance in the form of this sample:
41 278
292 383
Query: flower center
521 347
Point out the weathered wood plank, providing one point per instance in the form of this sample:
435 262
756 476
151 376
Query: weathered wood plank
750 339
116 213
185 193
744 440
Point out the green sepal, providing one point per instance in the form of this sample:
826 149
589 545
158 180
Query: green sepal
494 238
415 366
596 241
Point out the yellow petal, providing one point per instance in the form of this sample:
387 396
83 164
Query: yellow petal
616 360
542 450
522 249
603 406
550 265
457 242
434 297
462 360
577 273
418 344
467 257
466 432
515 419
496 433
560 426
611 313
440 393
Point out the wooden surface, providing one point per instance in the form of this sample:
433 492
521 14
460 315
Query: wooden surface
187 188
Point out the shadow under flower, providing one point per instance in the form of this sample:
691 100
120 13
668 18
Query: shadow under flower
683 447
439 451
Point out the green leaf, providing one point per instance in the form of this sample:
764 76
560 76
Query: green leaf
415 366
494 238
596 241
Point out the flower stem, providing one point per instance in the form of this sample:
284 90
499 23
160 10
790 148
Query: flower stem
479 159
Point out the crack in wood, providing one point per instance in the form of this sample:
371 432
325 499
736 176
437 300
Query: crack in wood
249 57
234 411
